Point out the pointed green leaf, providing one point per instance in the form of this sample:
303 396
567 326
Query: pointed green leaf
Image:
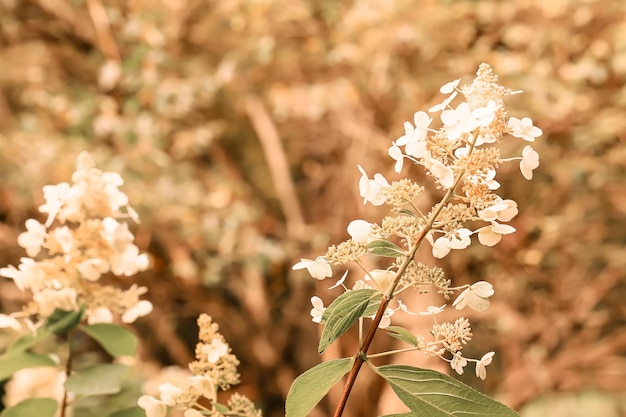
11 364
310 387
40 407
344 311
129 412
402 334
385 248
433 394
406 212
59 322
116 340
98 380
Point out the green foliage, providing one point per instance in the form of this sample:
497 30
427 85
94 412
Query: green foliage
114 339
344 311
402 334
40 407
9 364
433 394
129 412
100 379
385 248
59 322
310 387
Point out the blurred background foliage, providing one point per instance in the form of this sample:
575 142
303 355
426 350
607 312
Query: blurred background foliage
238 125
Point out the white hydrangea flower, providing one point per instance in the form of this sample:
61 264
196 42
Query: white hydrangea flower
458 362
152 406
319 268
475 297
396 154
64 237
524 129
414 137
439 170
317 310
443 245
492 234
446 89
372 190
33 238
55 198
481 365
361 231
169 393
91 269
142 308
485 115
529 162
28 276
503 210
458 121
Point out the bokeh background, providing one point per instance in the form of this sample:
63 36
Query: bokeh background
238 125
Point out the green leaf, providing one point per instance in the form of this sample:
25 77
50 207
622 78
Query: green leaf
406 212
344 311
433 394
385 248
310 387
11 364
402 334
116 340
60 321
129 412
221 408
40 407
100 379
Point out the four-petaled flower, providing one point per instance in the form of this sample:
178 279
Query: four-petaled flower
492 234
458 362
319 268
33 238
443 245
446 89
318 309
481 365
373 190
503 210
414 137
458 121
524 129
361 231
529 162
475 297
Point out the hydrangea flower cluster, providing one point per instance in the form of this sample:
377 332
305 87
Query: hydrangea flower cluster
462 157
215 367
84 237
